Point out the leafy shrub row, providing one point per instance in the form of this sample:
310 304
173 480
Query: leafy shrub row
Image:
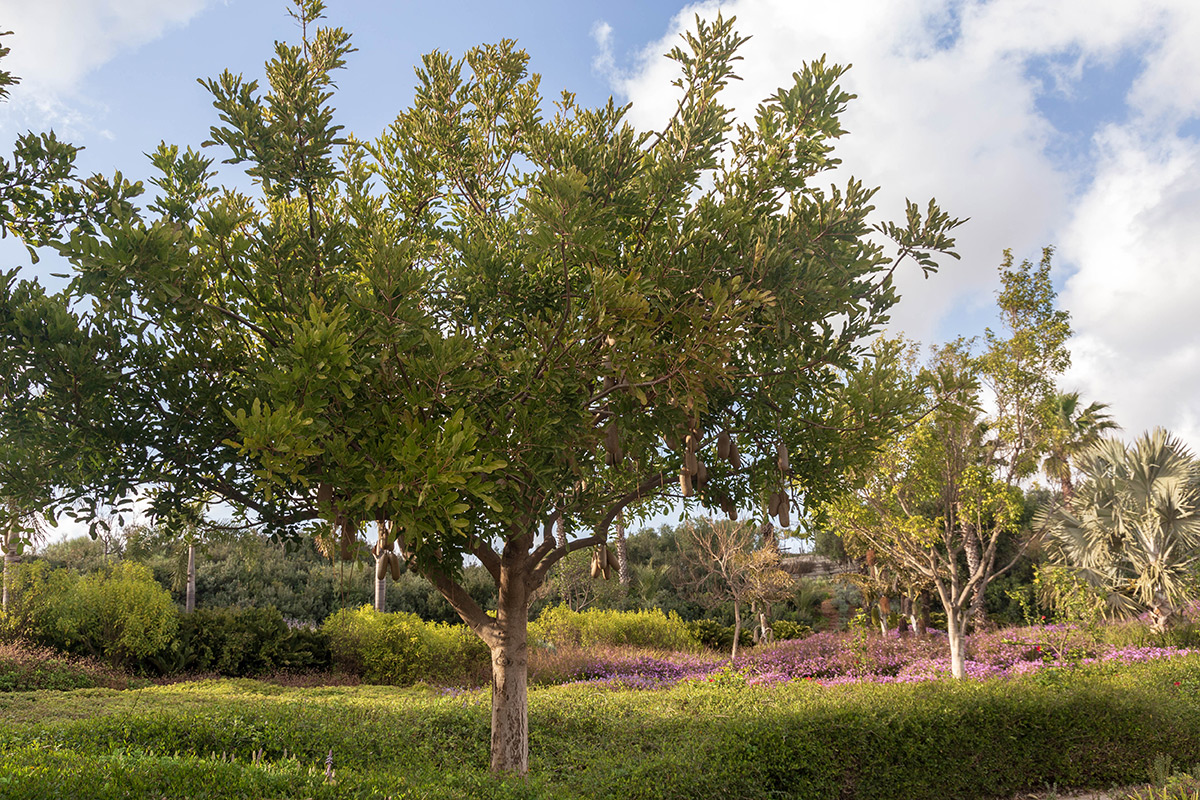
559 626
1089 728
400 649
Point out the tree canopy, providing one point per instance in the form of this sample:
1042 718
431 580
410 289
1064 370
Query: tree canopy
495 315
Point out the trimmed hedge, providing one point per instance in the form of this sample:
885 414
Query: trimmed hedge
1095 728
244 642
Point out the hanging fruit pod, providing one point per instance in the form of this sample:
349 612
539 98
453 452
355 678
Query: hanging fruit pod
394 565
685 482
701 473
671 441
781 450
784 518
595 563
723 443
613 563
735 456
729 507
381 567
773 504
612 443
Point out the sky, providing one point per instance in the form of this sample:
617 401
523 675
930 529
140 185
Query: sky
1073 124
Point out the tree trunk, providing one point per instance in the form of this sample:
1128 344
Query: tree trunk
737 628
922 624
510 678
380 583
975 565
885 612
955 621
190 603
560 531
622 554
381 591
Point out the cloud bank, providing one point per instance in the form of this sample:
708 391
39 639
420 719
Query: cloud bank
986 106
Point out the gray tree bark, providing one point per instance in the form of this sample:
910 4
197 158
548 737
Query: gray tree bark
190 603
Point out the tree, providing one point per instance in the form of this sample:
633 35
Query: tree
1071 431
1133 527
1022 367
929 497
483 321
733 562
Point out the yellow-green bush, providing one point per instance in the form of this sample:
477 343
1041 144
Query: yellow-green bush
400 649
560 626
120 614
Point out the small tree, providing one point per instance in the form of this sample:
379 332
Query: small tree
927 500
733 562
486 319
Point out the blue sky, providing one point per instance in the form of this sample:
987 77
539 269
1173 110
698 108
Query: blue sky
1074 123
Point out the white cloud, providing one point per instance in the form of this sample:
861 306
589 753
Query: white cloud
1133 300
56 42
949 107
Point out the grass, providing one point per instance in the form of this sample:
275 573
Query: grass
723 737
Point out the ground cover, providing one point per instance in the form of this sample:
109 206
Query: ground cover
716 735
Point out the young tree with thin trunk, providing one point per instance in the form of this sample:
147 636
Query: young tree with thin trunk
490 318
732 562
928 499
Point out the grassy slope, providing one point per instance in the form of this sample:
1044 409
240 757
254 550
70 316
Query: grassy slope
934 740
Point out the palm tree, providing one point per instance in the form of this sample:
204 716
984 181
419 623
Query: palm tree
1071 431
1133 528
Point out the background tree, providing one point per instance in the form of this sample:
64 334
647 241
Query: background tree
929 497
482 321
1071 430
1022 367
732 562
1133 527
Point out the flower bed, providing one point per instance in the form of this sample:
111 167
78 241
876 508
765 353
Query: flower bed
833 658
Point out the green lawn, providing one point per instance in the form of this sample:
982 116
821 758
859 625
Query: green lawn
240 738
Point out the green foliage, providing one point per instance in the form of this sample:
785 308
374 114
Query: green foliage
1132 530
245 642
27 668
560 626
121 614
784 629
1095 728
402 649
716 636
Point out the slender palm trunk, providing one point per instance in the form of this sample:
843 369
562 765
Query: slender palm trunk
737 628
380 586
622 555
190 602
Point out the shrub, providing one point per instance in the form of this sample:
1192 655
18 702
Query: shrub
783 630
26 668
400 649
716 636
561 627
243 642
120 614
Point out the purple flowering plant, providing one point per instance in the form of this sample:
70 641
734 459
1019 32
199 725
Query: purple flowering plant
832 658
